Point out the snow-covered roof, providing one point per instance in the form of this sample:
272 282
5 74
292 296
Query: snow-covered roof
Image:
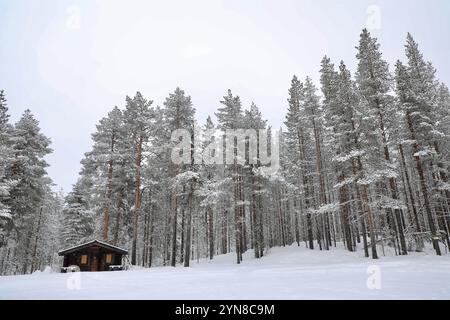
90 243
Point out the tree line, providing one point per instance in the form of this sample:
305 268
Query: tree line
29 209
364 163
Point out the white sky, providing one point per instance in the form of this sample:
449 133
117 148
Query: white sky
70 62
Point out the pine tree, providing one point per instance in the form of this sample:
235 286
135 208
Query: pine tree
45 241
358 134
178 114
209 190
338 123
6 152
417 90
107 153
374 83
27 195
253 119
442 143
230 116
312 114
138 117
298 141
77 220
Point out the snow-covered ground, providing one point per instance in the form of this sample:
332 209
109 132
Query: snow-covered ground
285 273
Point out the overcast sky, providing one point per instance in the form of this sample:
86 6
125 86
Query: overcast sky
70 62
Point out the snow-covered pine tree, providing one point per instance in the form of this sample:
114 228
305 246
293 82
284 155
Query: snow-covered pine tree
253 119
209 191
338 126
45 243
77 220
230 117
417 89
179 114
313 118
374 86
358 148
157 179
27 196
297 141
138 117
106 155
6 152
442 146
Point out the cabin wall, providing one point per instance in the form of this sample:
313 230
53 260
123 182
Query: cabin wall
96 259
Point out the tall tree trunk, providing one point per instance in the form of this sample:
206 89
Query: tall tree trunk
36 240
306 189
150 237
320 173
364 232
237 212
137 198
120 209
373 244
187 249
183 222
211 232
240 214
446 194
344 198
173 255
361 212
442 171
423 186
426 200
364 194
280 216
109 189
254 214
392 183
27 250
4 261
260 220
145 246
237 231
410 191
252 219
296 222
224 232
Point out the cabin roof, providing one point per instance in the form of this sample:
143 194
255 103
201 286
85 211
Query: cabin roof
90 243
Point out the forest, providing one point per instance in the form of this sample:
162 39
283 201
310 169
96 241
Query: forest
364 164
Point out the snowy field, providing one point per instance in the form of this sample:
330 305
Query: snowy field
285 273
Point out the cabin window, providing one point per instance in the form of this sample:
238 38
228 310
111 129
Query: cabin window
109 258
84 259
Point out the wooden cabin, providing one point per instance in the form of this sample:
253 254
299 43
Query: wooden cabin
94 255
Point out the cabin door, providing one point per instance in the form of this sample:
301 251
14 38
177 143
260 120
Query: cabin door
94 265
